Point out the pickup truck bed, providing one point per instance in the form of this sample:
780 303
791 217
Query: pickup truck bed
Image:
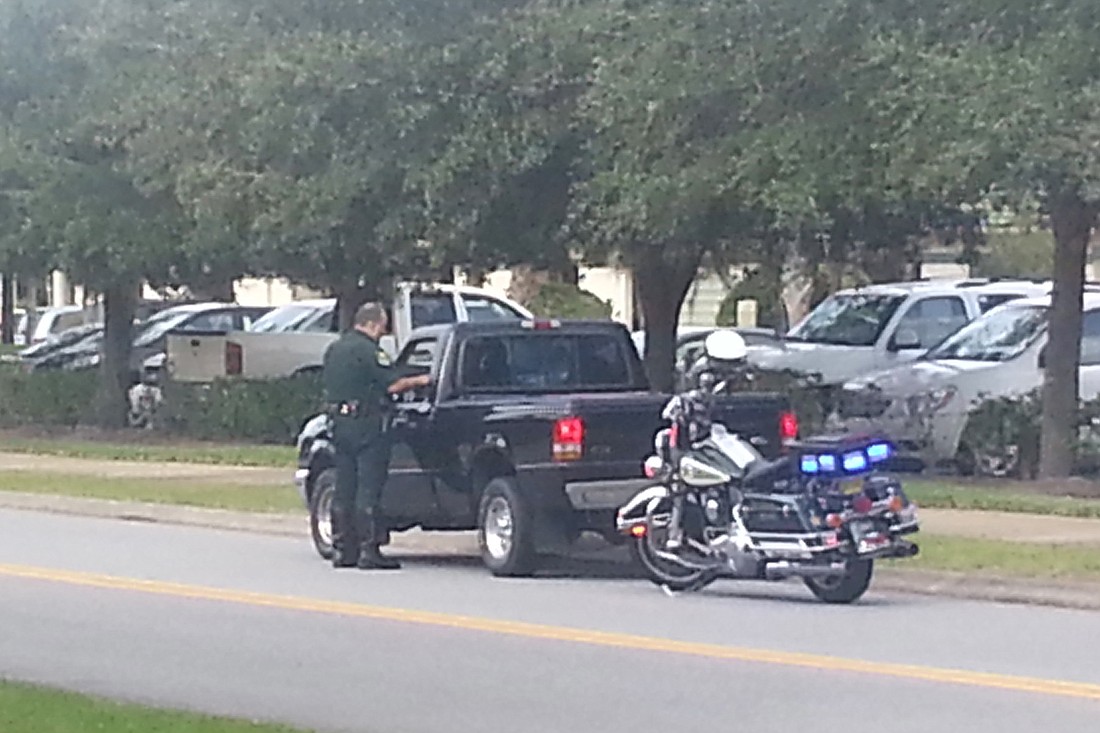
548 459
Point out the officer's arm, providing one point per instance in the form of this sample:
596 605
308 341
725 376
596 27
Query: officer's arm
404 384
401 378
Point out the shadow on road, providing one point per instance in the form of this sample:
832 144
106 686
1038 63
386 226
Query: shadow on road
613 564
553 567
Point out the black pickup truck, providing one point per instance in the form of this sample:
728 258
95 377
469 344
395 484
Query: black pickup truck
532 433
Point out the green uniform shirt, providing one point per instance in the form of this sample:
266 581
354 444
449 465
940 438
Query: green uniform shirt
357 369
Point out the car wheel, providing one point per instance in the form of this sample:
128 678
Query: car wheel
320 512
505 529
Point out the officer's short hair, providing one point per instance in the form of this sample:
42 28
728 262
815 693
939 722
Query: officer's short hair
369 313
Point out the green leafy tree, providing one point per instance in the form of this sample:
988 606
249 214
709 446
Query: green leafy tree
1016 92
78 207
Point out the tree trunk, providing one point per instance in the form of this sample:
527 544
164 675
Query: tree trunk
7 309
215 289
771 271
447 273
561 267
32 310
1072 220
662 288
348 300
119 303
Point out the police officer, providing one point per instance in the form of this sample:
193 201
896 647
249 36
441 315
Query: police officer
358 379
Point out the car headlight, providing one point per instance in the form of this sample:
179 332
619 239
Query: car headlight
935 400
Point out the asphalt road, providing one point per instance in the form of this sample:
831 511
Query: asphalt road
257 626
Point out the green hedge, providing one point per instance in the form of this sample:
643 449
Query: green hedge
1011 425
269 411
236 411
50 399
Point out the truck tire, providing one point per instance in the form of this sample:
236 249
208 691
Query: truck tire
847 588
320 517
505 530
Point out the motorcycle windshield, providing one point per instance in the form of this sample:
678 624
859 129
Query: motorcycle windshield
708 452
741 453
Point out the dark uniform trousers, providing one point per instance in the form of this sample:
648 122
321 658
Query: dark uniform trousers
357 373
362 459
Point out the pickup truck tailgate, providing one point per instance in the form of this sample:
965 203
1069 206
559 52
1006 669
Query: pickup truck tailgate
619 428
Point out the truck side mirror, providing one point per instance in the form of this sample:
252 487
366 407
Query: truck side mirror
1043 358
905 338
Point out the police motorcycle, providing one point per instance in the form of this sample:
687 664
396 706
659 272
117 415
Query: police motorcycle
823 512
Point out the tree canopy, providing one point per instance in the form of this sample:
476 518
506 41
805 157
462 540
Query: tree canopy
345 143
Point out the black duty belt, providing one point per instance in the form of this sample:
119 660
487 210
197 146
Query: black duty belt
345 409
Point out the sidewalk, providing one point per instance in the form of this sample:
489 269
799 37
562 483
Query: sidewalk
1011 527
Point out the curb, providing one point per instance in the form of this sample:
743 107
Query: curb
1079 595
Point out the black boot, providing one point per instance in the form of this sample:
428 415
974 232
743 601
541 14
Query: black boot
345 542
370 534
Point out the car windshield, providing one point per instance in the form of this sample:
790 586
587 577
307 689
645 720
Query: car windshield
159 325
322 320
1000 335
287 318
851 319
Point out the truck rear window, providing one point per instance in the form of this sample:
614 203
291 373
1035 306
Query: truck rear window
545 362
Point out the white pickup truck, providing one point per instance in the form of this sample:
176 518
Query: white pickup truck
291 340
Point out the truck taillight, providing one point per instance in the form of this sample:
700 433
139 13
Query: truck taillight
542 324
234 359
568 442
788 427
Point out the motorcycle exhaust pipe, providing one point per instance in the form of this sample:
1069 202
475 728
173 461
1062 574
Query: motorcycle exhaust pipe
907 549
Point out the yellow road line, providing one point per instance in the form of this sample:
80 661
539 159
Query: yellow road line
1081 690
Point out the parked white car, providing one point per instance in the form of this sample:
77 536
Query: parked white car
924 405
860 330
50 322
301 316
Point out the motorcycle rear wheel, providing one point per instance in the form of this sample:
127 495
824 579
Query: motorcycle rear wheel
661 572
847 588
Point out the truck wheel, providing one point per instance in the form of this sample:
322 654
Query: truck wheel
846 588
320 512
505 529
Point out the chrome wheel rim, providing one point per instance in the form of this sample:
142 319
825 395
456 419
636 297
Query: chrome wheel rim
499 528
324 517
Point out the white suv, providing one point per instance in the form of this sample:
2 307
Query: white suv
876 327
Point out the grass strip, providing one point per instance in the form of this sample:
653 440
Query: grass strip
934 494
943 495
178 491
262 456
999 557
30 709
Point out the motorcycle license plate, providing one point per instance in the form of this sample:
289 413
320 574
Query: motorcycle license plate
851 486
868 536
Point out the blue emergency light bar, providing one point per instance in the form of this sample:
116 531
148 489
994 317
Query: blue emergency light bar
851 462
